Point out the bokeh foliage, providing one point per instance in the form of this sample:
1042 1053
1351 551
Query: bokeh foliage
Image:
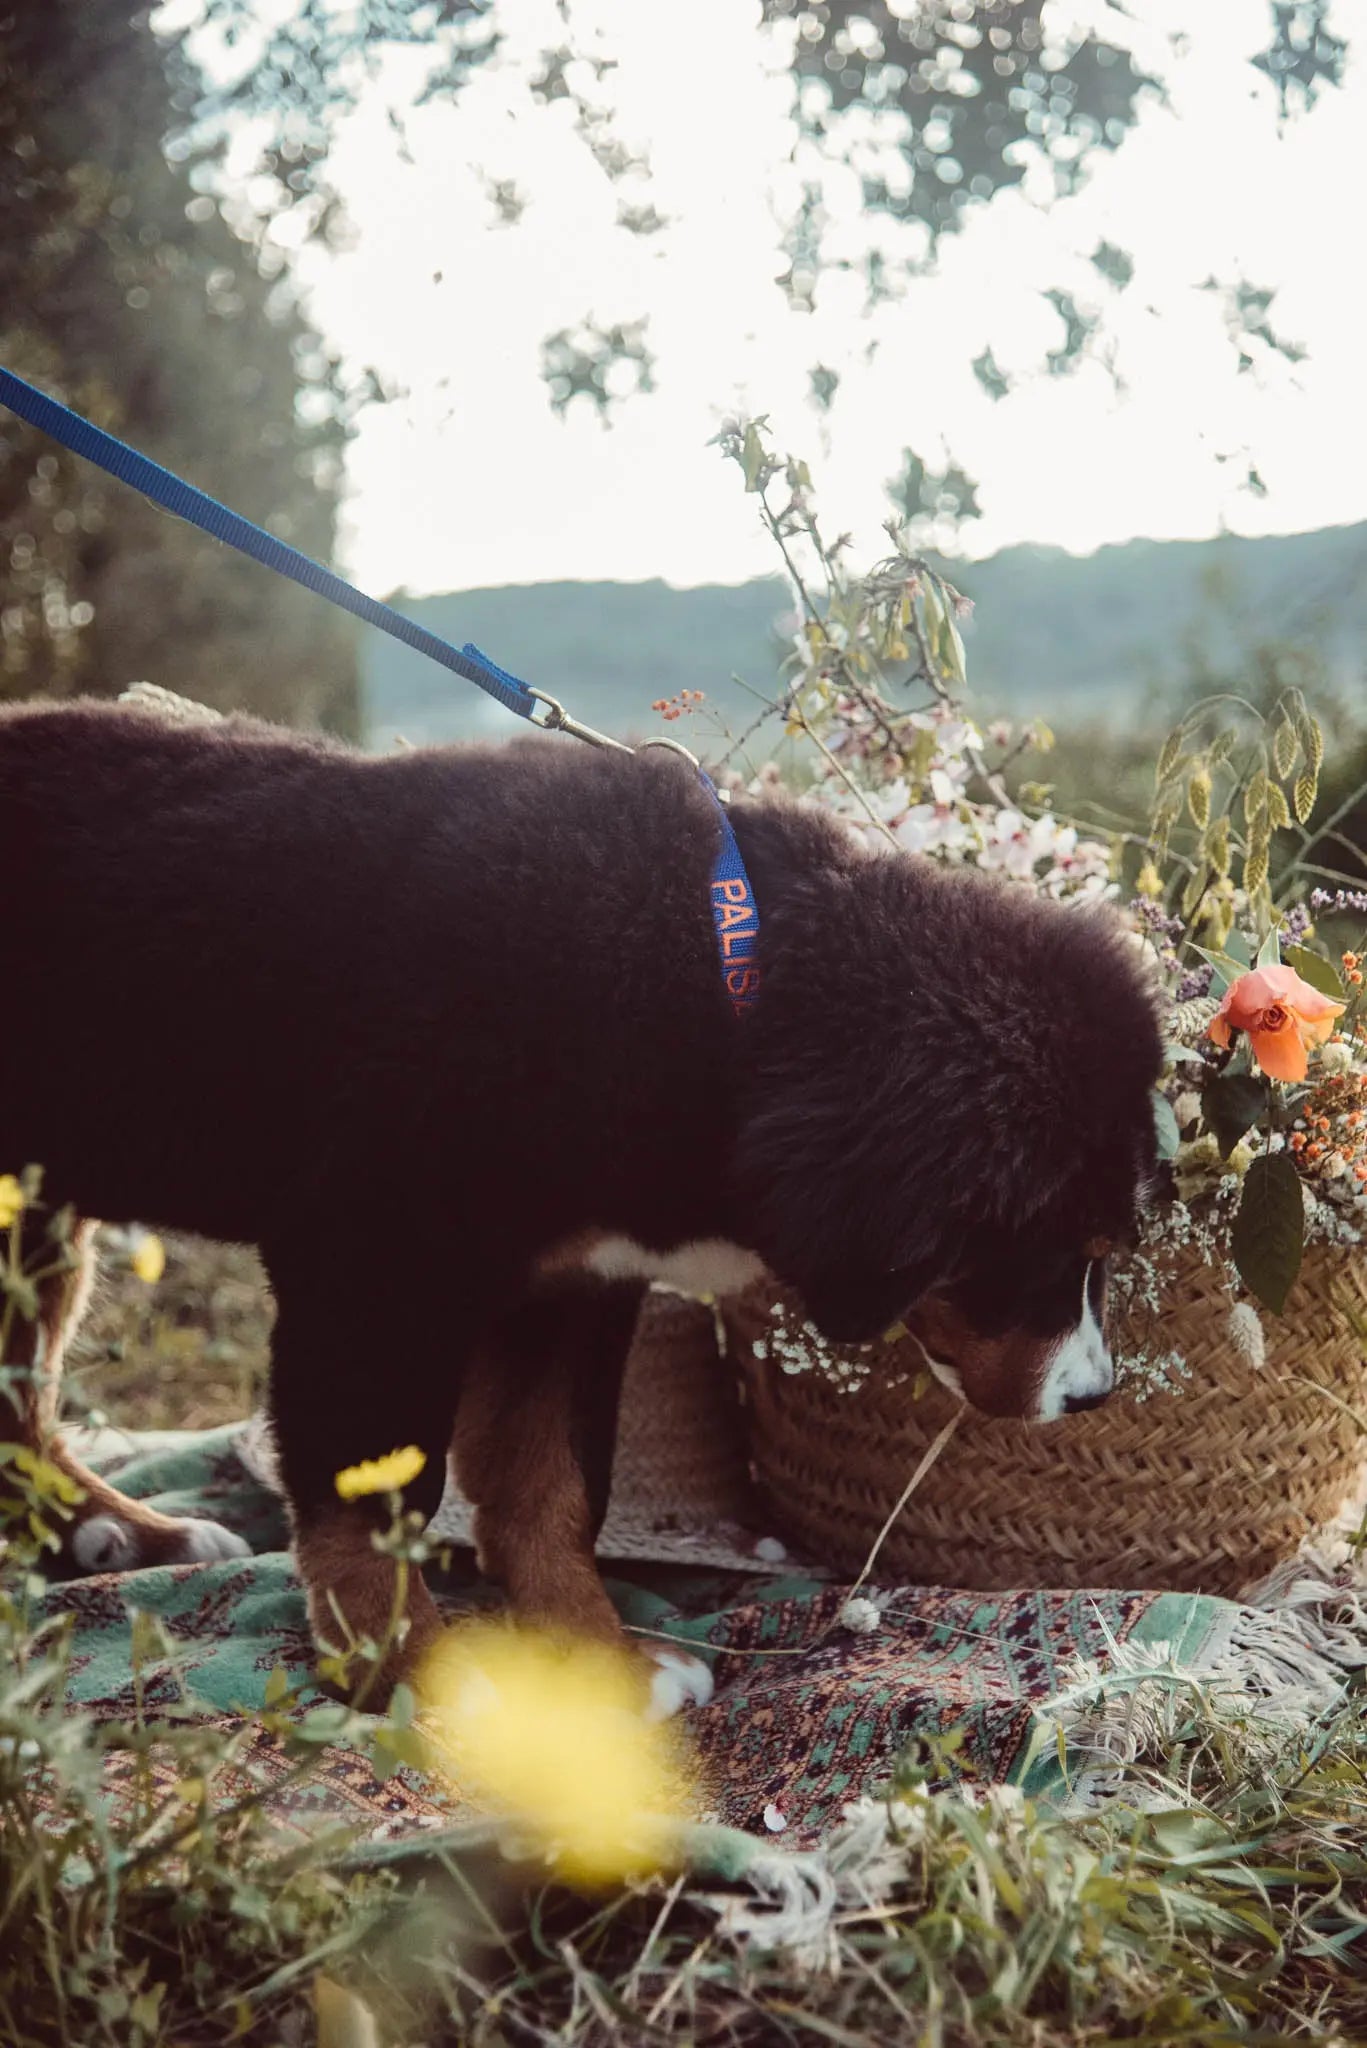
125 292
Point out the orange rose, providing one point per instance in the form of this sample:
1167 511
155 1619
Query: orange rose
1282 1015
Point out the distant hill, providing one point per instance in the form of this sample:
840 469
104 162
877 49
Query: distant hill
1051 632
608 650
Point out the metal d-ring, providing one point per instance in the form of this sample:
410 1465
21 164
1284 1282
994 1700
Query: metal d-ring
675 747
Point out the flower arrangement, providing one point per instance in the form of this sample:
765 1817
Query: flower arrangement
1262 1113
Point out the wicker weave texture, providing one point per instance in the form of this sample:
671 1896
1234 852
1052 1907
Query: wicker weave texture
681 1456
1204 1489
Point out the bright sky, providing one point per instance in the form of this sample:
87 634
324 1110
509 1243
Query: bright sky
469 478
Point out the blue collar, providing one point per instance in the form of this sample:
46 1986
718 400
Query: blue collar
735 914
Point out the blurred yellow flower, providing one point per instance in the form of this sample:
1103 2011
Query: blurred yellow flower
1148 881
149 1258
11 1200
550 1732
389 1474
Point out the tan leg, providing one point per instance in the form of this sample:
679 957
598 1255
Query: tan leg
534 1528
532 1450
107 1532
353 1593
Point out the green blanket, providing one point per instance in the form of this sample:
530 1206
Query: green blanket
807 1714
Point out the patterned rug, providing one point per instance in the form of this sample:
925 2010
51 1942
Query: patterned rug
807 1714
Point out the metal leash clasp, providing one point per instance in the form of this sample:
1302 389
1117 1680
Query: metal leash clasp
558 719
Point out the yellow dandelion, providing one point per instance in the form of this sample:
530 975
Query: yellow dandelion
149 1258
550 1733
12 1200
389 1474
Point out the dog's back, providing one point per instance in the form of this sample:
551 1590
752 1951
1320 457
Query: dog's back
310 963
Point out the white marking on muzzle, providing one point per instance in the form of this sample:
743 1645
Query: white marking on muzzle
1079 1368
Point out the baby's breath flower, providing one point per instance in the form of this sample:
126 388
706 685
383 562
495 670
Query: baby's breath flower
861 1617
389 1474
12 1200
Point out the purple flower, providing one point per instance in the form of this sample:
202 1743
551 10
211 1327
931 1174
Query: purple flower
1196 982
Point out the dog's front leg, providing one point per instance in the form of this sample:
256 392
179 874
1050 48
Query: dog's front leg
364 1363
533 1451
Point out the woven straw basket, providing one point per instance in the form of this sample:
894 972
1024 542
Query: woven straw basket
1208 1488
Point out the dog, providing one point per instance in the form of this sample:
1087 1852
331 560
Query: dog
446 1034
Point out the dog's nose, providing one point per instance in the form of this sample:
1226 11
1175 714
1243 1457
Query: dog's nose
1073 1404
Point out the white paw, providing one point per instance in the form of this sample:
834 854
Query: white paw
104 1544
680 1681
210 1542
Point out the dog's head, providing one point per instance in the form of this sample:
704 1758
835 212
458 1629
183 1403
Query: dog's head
950 1121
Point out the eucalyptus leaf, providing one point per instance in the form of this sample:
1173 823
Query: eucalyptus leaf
1165 1126
1268 1236
1314 968
1236 946
1270 951
1231 1105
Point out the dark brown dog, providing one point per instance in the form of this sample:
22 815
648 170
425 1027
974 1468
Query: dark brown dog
446 1035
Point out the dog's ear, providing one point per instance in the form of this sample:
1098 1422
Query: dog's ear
835 1182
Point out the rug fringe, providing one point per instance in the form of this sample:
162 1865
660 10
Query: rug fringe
1281 1660
789 1903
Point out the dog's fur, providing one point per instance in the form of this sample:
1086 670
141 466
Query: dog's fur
445 1033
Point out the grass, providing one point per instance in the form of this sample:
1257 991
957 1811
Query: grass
190 1353
1220 1895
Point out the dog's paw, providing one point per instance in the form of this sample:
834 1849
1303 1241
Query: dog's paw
106 1543
678 1681
210 1543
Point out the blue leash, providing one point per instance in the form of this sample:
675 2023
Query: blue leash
734 911
205 512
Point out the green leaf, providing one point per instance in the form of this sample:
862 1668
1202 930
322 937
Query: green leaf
752 458
1236 945
1270 951
277 1685
952 650
933 612
1227 969
1165 1126
1231 1105
1269 1230
1314 968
